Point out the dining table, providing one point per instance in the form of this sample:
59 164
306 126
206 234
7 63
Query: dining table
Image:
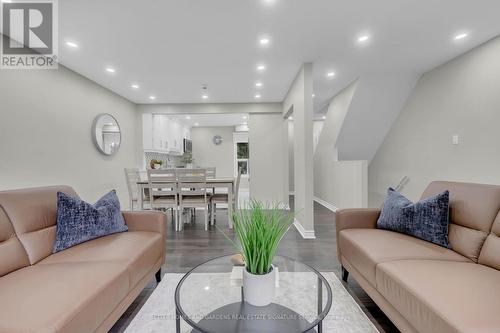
215 183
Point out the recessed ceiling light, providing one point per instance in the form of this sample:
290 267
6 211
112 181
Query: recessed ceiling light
363 38
257 96
152 97
110 70
313 95
258 84
204 96
324 117
269 2
71 44
264 41
244 117
196 124
290 118
330 74
188 117
135 86
261 68
461 36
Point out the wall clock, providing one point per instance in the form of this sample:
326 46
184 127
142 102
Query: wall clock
217 140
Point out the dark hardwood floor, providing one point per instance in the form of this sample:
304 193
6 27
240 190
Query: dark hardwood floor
194 245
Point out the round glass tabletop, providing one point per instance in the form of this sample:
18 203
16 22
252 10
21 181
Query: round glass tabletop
210 299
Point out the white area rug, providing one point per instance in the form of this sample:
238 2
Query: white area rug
158 314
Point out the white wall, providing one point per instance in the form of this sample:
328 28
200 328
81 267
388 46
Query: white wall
317 128
338 184
208 154
267 157
299 100
461 97
376 103
45 133
347 185
291 173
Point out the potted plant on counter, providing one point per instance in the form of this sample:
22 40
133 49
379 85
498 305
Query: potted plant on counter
259 229
155 164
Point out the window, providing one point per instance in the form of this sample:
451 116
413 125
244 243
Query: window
241 153
242 156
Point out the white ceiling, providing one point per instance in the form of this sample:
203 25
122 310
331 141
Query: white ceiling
170 48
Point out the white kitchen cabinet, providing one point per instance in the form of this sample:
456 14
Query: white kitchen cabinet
164 134
158 132
175 131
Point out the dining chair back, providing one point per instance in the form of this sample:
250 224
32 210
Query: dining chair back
192 187
132 176
192 182
163 191
224 198
162 182
210 172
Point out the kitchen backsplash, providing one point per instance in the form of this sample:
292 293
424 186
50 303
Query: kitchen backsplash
169 161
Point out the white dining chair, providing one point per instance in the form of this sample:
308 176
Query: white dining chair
210 172
223 198
163 192
192 187
132 176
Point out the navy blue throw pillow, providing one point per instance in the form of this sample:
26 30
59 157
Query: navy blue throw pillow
427 219
79 221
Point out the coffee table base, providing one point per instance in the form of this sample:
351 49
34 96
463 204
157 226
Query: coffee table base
244 318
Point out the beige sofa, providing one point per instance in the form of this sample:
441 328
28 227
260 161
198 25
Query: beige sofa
85 288
423 287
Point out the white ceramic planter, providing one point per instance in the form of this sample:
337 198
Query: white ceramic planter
258 290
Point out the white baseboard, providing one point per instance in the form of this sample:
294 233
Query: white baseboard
306 234
326 204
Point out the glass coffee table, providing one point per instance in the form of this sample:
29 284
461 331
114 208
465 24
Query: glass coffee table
210 299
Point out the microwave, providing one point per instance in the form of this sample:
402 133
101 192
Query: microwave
188 146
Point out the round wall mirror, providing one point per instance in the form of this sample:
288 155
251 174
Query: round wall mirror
106 134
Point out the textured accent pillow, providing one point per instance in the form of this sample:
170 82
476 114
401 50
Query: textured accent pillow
79 221
427 219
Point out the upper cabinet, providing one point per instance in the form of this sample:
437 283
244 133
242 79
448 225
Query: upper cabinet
162 133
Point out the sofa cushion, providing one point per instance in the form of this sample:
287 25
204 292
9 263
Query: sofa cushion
11 251
426 219
473 208
79 221
490 252
32 213
365 248
442 296
136 251
63 297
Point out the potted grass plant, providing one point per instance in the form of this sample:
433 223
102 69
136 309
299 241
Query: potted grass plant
259 229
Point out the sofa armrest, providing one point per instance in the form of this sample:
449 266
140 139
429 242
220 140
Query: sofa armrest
358 218
148 221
